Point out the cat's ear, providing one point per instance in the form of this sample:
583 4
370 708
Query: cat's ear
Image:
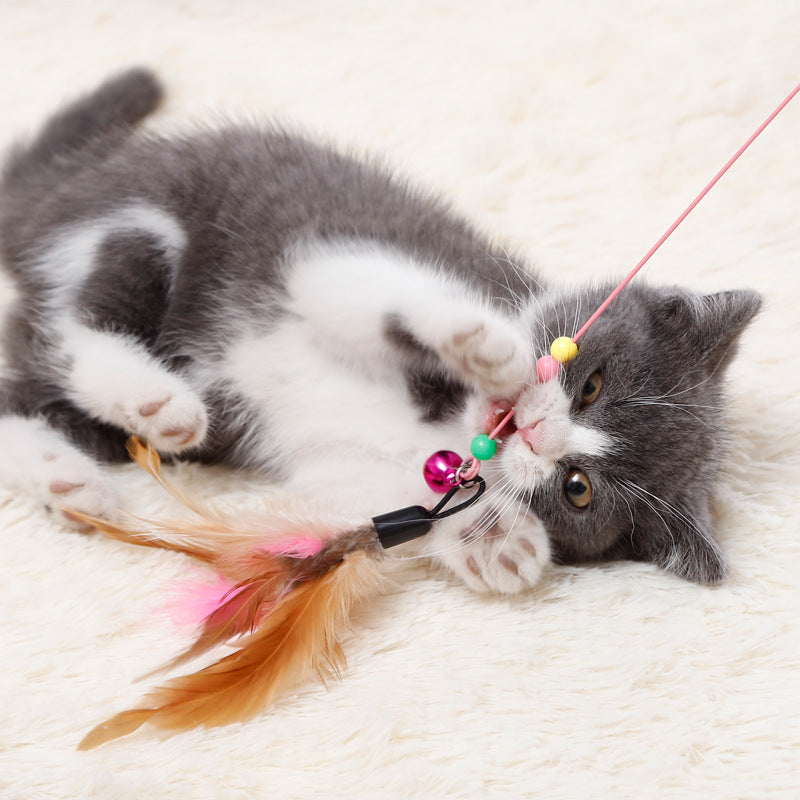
707 325
680 541
720 318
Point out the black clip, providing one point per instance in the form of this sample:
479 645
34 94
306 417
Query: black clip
412 522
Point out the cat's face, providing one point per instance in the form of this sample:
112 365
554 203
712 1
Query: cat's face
618 455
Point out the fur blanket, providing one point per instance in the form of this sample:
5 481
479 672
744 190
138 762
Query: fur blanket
576 131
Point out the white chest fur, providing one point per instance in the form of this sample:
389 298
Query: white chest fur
329 387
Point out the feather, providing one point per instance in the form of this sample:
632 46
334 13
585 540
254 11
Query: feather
241 609
300 634
147 457
283 528
286 584
191 601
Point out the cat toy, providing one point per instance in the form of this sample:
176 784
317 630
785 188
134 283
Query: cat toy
288 583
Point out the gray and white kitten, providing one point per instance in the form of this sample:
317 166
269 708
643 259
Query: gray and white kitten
249 297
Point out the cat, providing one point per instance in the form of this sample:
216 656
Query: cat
246 296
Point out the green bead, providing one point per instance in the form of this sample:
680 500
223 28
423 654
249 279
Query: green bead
483 448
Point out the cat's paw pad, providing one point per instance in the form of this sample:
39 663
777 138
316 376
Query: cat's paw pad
170 421
513 564
72 482
493 355
117 382
501 561
40 462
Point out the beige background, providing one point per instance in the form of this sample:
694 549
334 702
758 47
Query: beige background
576 131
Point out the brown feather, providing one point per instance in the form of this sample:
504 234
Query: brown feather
300 635
238 614
135 531
146 456
236 546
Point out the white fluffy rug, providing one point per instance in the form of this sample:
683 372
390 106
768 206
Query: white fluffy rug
576 131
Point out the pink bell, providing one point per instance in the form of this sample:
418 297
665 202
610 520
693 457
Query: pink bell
440 470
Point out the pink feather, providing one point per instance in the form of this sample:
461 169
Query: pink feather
295 546
195 601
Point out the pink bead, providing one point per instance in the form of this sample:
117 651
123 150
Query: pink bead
440 470
546 368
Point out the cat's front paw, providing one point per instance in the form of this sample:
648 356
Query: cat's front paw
170 421
156 406
115 380
507 556
492 355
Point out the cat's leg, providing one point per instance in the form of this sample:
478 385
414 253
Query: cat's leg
377 307
113 378
485 349
106 283
39 461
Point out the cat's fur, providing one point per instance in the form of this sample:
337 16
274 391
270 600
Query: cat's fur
249 297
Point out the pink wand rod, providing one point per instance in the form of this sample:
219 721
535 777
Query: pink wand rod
627 279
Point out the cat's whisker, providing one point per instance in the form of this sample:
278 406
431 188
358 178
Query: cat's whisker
512 499
516 302
511 528
644 497
677 406
539 332
662 401
522 274
685 407
576 322
681 515
650 499
632 395
519 300
490 519
494 511
624 499
478 529
722 360
673 391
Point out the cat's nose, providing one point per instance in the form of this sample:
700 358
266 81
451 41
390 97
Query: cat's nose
532 435
542 438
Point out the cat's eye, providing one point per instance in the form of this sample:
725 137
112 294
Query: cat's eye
577 489
591 389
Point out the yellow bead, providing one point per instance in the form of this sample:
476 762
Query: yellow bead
563 349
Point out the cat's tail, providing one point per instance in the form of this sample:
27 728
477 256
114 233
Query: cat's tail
98 121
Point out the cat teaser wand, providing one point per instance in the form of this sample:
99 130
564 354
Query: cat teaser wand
285 593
